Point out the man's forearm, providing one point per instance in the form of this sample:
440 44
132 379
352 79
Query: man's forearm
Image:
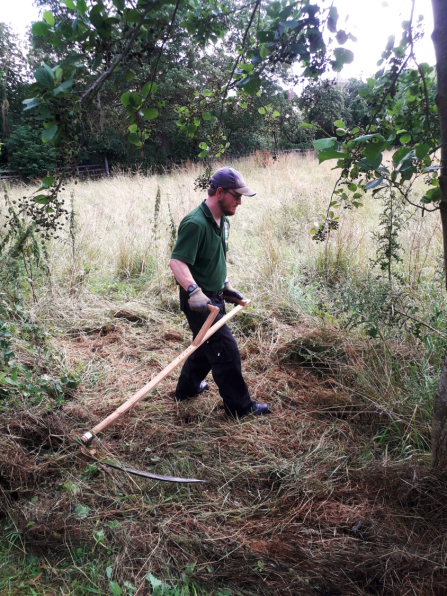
181 273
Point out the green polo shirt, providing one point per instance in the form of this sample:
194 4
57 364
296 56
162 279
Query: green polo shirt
203 246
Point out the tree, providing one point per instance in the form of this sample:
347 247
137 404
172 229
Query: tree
409 118
439 36
100 44
13 80
27 154
322 103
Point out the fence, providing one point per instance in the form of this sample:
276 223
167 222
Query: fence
99 170
89 171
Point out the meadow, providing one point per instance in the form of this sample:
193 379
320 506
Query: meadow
330 495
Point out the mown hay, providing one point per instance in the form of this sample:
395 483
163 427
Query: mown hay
290 507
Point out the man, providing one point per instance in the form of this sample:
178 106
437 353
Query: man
198 263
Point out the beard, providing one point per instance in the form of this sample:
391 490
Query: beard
225 209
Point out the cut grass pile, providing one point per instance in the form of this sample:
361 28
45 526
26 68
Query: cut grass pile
330 495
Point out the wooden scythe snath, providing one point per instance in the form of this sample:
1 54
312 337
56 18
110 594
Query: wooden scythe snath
204 334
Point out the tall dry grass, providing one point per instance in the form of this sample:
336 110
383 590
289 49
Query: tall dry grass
117 235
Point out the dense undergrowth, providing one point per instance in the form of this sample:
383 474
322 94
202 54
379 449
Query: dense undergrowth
330 495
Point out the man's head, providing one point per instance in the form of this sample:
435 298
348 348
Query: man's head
228 186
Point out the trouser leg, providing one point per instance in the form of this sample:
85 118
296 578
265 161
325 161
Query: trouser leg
219 354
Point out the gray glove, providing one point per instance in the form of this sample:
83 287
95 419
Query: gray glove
229 293
198 301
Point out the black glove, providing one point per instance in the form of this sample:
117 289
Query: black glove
198 301
229 293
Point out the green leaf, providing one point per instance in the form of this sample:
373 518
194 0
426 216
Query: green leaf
404 139
352 187
69 4
275 114
81 7
342 56
292 24
134 138
341 37
63 87
42 199
125 98
250 84
149 87
97 61
133 128
49 133
115 590
433 195
203 146
321 144
400 154
331 154
364 138
333 18
263 53
261 110
133 16
375 183
339 124
371 151
45 76
48 16
49 181
203 154
247 67
150 113
31 103
81 511
155 583
120 4
305 125
265 36
206 116
41 29
130 75
422 151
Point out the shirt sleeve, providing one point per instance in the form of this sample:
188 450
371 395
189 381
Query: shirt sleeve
188 240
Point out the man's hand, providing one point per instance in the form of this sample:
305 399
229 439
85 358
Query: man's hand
198 301
229 293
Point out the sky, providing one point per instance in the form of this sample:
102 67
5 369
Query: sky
370 21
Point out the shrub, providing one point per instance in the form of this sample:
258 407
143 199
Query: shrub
27 153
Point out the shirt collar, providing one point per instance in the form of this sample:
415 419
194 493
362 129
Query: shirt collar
206 210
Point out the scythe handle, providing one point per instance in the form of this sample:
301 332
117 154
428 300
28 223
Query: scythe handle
205 333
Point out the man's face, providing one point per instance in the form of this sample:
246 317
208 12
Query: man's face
228 200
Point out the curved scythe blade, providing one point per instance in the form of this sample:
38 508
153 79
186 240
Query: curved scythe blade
117 466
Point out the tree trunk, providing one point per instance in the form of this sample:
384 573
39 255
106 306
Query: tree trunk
101 127
439 37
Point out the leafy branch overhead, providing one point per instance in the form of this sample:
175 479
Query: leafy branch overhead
399 144
102 45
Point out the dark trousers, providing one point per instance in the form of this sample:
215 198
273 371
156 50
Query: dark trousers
219 354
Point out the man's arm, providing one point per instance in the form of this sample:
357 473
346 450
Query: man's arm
197 299
181 273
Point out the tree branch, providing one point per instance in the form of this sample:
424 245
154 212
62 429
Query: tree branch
108 73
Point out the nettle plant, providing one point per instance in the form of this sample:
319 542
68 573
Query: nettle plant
397 147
